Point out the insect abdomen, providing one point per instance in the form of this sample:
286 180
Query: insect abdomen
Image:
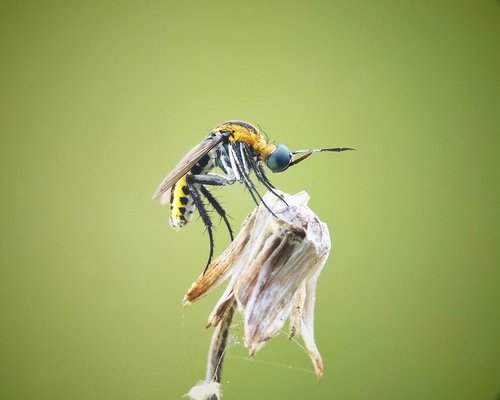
181 203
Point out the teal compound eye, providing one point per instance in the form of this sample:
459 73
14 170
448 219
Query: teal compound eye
279 159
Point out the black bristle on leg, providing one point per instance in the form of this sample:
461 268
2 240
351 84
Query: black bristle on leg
261 174
217 207
198 202
248 182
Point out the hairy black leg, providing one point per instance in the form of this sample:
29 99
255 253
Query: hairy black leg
247 181
217 207
260 173
198 202
210 179
244 176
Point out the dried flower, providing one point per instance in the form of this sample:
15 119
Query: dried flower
274 264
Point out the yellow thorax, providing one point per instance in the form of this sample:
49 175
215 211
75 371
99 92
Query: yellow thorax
244 132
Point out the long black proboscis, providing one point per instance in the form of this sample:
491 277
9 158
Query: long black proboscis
336 149
308 152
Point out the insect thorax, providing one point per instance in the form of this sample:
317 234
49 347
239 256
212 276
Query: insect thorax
241 131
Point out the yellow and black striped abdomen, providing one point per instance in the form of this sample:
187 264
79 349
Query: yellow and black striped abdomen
181 202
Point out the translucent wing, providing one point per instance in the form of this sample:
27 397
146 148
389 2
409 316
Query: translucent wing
187 162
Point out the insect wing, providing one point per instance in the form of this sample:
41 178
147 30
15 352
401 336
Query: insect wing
187 162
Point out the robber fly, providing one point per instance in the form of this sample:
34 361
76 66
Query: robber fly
237 148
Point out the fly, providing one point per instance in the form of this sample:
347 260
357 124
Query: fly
238 149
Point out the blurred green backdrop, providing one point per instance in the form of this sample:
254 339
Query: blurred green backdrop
100 99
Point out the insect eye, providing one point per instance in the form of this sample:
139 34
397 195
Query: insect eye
279 159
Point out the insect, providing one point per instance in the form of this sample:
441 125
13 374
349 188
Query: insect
237 148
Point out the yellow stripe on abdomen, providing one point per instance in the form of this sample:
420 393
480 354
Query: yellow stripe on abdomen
180 204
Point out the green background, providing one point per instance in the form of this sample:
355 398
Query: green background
100 99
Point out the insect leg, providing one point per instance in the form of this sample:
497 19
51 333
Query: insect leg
244 157
260 170
260 174
239 171
246 179
233 157
210 179
198 202
217 207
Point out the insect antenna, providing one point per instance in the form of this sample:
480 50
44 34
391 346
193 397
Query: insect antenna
217 207
198 202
